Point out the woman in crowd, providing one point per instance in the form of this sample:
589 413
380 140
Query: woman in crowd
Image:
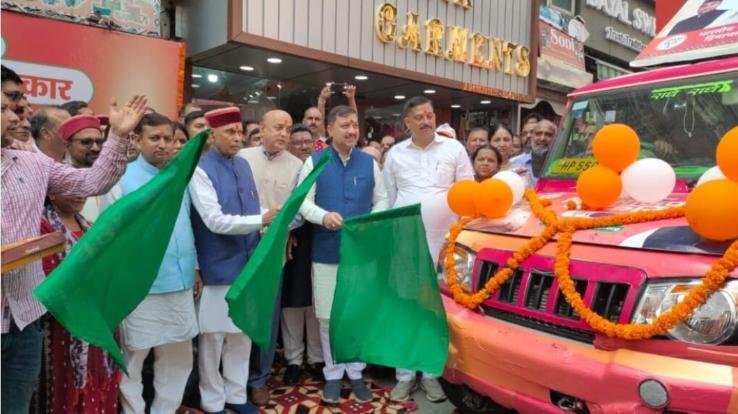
486 161
502 140
77 377
180 137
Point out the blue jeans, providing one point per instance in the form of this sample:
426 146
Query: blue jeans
21 366
262 359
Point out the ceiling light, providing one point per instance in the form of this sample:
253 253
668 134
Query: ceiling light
194 85
274 60
395 115
485 102
246 68
456 106
429 91
361 77
212 78
196 75
253 101
279 86
271 97
399 97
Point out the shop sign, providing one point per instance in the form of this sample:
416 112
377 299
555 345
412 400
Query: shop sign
52 85
620 9
561 46
624 39
452 43
90 64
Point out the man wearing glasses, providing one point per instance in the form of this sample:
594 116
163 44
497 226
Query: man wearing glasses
83 138
84 141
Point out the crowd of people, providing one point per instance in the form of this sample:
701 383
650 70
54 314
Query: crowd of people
61 166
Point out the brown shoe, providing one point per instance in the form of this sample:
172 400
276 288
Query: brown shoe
260 396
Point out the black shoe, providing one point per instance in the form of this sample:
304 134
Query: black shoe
292 375
315 370
246 408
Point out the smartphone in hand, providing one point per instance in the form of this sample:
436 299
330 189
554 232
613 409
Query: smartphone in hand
337 88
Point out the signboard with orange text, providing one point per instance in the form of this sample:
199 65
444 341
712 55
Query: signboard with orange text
61 62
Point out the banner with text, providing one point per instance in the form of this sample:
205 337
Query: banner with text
700 30
61 62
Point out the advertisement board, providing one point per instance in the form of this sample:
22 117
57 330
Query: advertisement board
700 30
562 46
61 62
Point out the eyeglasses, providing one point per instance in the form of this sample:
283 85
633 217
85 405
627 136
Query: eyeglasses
87 142
15 96
304 143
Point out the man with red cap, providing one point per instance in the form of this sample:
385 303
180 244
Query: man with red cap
226 221
84 140
27 178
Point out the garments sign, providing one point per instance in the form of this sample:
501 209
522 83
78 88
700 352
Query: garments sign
61 62
699 30
561 46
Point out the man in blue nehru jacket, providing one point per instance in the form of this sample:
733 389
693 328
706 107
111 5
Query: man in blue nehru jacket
351 185
226 221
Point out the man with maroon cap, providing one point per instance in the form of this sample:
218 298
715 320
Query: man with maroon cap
226 221
27 178
84 140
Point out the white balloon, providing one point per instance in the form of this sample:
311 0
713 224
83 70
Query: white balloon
649 180
712 174
516 183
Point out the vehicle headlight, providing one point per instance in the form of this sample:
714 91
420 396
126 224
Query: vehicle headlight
463 262
712 323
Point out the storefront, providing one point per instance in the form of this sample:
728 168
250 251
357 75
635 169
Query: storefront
472 58
618 31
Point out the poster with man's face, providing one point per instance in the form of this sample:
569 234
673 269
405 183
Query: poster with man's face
701 29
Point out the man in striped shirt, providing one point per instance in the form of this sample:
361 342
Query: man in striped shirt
27 178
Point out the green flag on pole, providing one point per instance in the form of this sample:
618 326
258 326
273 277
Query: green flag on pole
112 267
253 295
387 309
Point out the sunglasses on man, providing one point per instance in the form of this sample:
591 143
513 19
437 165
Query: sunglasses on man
87 142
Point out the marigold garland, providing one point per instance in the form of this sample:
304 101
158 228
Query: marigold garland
566 227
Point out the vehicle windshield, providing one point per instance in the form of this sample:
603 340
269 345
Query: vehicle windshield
679 121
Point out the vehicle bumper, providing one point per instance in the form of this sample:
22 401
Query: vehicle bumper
518 368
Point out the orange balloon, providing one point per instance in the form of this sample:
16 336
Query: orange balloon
727 154
712 210
461 197
599 186
616 146
494 199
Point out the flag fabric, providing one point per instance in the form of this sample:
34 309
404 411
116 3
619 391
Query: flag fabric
113 266
387 309
253 295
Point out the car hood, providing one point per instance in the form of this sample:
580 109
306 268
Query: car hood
672 235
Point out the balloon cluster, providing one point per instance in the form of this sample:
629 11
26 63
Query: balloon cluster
712 207
491 198
616 148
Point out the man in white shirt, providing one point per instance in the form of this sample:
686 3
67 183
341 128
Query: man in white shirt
350 185
421 170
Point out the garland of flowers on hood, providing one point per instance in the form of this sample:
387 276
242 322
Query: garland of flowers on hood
565 229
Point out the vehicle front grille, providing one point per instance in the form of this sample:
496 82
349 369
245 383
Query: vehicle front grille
531 296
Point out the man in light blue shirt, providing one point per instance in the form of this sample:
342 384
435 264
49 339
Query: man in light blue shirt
165 321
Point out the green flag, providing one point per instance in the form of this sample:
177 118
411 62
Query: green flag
253 295
387 309
111 269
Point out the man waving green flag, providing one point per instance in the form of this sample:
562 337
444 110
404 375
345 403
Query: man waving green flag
387 309
111 269
252 295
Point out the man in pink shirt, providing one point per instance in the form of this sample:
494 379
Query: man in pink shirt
27 178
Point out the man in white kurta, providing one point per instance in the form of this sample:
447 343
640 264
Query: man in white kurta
350 185
275 173
421 170
226 221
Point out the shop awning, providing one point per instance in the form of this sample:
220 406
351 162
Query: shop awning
555 71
